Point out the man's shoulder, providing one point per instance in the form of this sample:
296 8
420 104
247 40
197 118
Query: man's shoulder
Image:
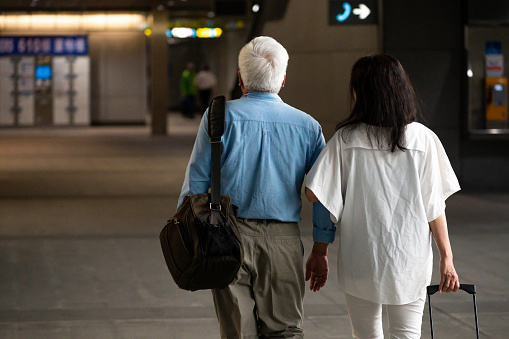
286 114
304 118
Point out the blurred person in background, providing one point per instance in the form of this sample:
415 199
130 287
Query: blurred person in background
188 90
205 82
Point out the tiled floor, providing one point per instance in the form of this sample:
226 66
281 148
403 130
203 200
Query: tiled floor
80 213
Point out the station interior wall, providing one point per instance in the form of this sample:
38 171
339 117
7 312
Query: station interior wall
321 57
428 44
118 77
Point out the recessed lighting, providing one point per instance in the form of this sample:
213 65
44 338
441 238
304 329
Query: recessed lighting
256 8
160 8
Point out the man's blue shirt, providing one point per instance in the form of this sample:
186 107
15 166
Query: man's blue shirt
267 148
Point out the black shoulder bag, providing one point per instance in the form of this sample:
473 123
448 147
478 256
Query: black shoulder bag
201 243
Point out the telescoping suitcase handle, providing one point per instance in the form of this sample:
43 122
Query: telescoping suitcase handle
470 289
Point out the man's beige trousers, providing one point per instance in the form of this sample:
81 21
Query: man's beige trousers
266 299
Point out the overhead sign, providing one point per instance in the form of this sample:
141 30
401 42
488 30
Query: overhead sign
43 45
353 12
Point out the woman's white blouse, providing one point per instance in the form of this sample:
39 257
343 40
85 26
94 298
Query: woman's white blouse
384 202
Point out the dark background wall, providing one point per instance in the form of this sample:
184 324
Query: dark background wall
428 38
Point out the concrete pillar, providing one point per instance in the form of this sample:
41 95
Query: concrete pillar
159 72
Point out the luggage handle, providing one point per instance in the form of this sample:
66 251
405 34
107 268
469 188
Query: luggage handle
470 289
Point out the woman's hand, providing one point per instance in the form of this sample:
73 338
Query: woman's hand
317 266
449 281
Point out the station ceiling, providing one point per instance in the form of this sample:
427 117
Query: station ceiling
103 5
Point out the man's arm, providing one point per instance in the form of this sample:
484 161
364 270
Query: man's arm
324 231
197 178
317 266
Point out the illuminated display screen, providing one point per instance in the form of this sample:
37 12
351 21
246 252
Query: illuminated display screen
188 32
43 72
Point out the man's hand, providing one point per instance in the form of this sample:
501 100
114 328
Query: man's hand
317 267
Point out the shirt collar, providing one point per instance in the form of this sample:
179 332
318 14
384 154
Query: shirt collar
262 96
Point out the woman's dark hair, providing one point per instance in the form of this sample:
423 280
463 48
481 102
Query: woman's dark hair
383 98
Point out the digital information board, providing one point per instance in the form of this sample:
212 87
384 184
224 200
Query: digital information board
43 45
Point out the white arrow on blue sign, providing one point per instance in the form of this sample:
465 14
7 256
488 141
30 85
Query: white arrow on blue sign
363 11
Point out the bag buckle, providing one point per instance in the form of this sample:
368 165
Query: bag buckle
215 207
216 140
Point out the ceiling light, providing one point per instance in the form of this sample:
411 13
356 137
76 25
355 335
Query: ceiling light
160 8
256 8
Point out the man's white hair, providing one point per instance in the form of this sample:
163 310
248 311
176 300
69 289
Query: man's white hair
262 65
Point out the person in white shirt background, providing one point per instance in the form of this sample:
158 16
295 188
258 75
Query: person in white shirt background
205 81
384 178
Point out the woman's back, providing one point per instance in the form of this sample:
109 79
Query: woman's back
385 201
385 178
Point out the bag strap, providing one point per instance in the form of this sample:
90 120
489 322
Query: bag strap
216 130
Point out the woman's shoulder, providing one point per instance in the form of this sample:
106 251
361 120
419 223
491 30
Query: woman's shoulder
418 136
355 136
418 128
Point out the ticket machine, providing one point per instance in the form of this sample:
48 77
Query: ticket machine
43 91
44 80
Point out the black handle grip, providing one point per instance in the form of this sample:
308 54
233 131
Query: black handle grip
470 289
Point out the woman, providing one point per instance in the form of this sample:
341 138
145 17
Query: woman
385 177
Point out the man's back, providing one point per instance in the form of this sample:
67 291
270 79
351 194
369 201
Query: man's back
268 148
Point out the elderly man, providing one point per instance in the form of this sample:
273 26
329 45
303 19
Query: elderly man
268 147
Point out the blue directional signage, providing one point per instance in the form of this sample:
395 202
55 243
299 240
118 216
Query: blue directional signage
364 12
43 45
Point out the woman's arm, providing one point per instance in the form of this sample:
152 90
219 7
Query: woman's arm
448 277
311 196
